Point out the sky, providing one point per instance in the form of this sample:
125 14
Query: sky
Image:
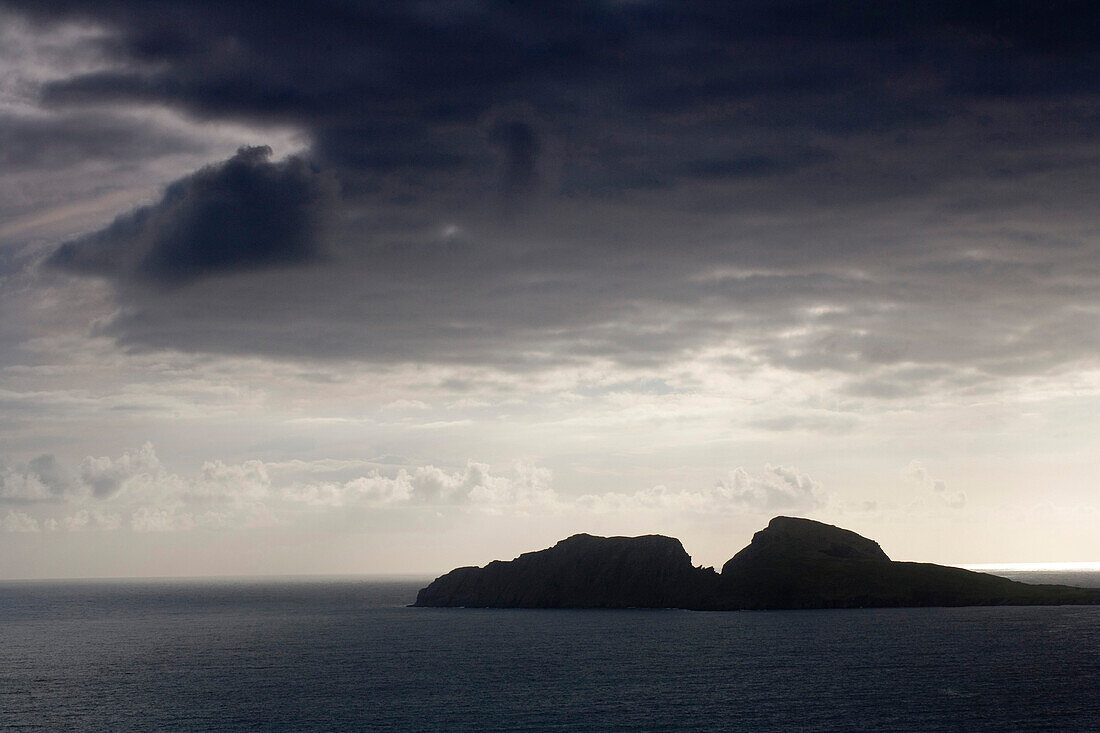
375 287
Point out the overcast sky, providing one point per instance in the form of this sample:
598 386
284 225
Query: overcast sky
360 287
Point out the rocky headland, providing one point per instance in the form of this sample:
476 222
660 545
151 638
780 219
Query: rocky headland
792 563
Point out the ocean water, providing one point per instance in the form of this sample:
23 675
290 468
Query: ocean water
346 654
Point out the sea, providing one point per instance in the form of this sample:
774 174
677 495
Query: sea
348 654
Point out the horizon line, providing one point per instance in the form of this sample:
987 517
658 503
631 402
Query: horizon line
1034 566
1071 566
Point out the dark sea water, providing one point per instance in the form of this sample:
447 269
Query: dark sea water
346 654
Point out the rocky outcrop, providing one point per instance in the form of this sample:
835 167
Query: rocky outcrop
579 572
793 563
799 563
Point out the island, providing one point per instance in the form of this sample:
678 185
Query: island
793 563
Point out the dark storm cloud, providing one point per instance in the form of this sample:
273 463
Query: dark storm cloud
838 186
244 214
751 166
521 148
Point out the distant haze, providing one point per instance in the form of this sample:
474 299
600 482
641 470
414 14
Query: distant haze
393 287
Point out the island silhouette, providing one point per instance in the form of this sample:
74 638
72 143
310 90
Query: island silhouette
793 563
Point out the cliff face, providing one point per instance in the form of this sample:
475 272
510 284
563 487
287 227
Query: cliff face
793 563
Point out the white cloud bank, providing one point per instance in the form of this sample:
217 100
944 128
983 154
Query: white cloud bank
135 490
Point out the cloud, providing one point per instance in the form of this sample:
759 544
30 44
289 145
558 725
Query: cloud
139 493
773 178
915 471
105 476
405 405
755 166
18 486
15 521
91 519
253 494
245 481
146 519
776 489
374 489
519 143
42 479
51 473
955 499
44 142
241 215
253 516
135 488
828 423
525 488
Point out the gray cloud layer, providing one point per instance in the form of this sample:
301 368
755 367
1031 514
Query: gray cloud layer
901 192
44 143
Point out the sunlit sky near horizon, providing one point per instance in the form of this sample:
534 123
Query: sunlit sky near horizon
372 287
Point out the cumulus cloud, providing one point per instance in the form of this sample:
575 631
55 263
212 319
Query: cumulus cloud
91 519
527 488
42 479
105 491
247 481
244 214
524 487
371 490
146 519
135 490
20 486
105 475
776 489
15 521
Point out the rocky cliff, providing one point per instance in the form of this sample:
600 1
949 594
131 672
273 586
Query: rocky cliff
793 563
579 572
799 563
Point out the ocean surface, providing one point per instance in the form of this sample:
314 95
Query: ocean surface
346 654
